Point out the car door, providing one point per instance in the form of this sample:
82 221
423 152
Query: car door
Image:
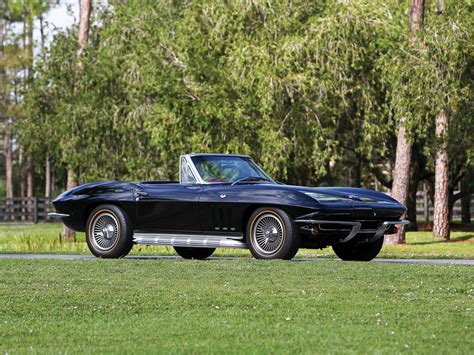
221 208
168 207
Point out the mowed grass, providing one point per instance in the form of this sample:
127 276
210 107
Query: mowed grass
45 238
243 305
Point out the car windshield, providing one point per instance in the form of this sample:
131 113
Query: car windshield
228 169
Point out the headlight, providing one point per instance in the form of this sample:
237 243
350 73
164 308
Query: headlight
62 194
65 193
325 197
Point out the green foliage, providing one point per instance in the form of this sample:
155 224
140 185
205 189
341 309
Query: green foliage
306 88
431 75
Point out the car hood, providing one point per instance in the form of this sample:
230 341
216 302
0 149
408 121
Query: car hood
358 196
352 193
357 203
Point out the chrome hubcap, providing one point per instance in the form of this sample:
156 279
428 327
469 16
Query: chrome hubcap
268 234
104 231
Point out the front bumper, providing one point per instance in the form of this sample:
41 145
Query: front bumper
356 228
58 215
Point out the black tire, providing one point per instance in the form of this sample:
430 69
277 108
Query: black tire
108 232
358 252
194 253
271 235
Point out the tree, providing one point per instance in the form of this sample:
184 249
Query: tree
83 37
441 199
7 145
314 91
401 172
12 60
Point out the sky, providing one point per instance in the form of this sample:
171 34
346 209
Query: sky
58 18
63 15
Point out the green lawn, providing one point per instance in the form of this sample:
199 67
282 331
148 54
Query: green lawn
45 238
234 306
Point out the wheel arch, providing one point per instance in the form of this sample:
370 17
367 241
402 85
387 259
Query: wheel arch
91 206
252 208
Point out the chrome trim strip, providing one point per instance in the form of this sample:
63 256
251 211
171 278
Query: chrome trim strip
218 155
189 240
58 215
309 215
384 227
355 226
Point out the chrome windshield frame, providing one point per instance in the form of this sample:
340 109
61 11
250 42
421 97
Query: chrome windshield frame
197 176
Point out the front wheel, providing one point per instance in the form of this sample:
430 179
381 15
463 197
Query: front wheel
358 252
108 232
270 234
194 253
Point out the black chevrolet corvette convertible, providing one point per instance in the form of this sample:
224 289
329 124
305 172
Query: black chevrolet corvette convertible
228 201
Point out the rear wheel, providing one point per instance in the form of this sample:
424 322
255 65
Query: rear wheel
358 252
270 234
108 232
194 253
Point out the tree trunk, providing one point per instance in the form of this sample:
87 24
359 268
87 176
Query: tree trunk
47 178
417 14
68 234
21 171
86 7
441 203
47 172
442 207
465 200
401 174
7 149
29 177
53 179
29 184
401 180
28 42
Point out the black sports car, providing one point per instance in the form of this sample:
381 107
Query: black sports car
228 201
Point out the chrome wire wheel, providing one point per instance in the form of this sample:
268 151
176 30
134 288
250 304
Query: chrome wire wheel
104 231
268 234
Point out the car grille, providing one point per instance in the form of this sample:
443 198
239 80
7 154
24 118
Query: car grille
367 226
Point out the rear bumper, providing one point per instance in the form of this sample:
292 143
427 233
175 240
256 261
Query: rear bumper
355 227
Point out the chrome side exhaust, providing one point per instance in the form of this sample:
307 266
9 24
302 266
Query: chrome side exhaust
189 240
